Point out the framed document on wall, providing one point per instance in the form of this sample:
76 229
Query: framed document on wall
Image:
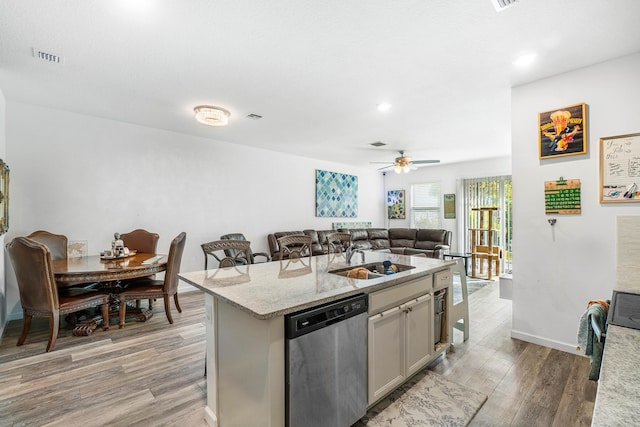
620 168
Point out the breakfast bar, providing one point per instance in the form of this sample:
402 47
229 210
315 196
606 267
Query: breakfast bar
246 307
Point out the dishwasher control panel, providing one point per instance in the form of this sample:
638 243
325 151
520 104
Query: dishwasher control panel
306 321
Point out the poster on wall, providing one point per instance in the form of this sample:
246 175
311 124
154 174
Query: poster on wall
620 168
336 194
562 131
449 206
395 204
562 197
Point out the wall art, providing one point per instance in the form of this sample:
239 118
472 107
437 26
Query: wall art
396 204
4 197
449 206
563 131
620 168
336 194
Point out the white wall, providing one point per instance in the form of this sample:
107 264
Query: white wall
449 175
87 177
557 270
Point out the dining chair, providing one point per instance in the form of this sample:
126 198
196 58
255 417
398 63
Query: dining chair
295 246
57 243
220 250
147 288
141 240
252 255
338 241
39 297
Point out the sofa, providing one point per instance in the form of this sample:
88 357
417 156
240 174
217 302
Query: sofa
433 243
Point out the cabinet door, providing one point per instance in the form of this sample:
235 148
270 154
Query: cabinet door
386 352
418 333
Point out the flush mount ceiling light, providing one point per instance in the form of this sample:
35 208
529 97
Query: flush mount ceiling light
384 106
212 116
524 60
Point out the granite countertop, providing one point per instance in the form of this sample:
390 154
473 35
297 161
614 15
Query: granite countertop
272 289
619 385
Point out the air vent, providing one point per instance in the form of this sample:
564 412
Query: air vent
254 116
378 144
502 4
47 56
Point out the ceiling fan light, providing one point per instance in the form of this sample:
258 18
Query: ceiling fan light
212 116
406 168
398 169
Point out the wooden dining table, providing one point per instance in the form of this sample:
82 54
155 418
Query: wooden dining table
95 273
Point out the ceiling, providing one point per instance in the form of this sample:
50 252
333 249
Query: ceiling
314 70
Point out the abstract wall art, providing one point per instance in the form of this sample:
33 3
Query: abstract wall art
336 194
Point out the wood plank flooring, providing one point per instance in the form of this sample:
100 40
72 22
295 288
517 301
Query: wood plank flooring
151 373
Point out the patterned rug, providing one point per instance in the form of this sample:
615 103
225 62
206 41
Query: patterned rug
428 399
472 286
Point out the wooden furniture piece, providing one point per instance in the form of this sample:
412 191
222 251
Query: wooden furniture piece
32 264
482 248
141 240
295 246
252 255
94 269
228 253
338 242
57 243
150 288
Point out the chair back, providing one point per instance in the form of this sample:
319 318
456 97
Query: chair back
295 246
338 241
238 247
141 240
57 243
31 262
173 264
232 252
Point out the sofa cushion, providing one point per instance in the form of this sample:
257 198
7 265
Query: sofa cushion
360 238
430 238
378 237
316 246
402 237
322 238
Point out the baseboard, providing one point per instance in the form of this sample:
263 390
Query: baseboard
568 348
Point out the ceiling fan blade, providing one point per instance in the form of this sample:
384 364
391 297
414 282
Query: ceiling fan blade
382 163
385 167
425 162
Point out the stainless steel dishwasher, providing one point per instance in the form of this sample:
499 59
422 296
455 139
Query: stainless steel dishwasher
326 364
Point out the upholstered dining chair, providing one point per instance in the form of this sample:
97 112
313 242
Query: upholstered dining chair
57 243
338 242
252 255
221 250
147 288
141 240
39 297
295 246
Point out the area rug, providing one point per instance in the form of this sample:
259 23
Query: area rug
472 286
428 399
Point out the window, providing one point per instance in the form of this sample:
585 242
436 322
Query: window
426 205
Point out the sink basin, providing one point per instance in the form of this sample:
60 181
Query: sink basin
375 268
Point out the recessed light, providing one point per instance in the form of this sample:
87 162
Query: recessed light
384 106
524 60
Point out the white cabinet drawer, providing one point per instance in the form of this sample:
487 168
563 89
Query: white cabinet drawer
442 279
398 294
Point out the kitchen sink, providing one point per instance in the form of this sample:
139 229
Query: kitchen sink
376 269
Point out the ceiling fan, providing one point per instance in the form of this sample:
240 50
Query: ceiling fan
404 163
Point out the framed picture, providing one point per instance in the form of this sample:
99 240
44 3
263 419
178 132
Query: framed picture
620 168
449 206
562 131
4 197
336 194
396 204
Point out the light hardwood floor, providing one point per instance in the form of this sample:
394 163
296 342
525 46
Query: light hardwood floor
151 373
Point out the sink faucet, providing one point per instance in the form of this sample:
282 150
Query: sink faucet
352 250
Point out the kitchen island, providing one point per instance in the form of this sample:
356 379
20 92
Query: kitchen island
246 306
